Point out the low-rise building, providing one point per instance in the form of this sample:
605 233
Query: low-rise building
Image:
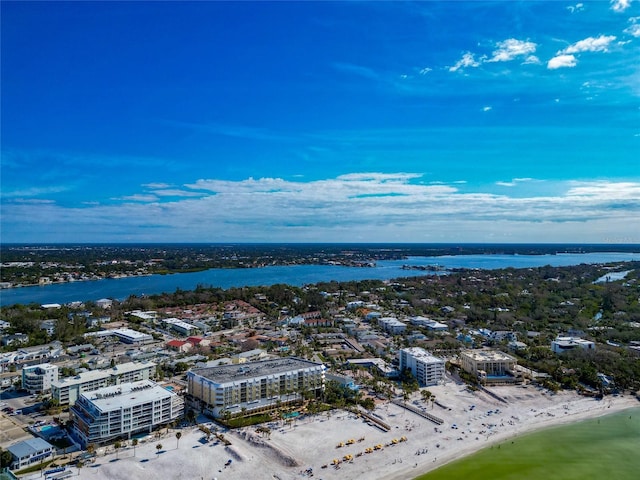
254 387
428 323
392 325
67 390
180 326
29 452
38 378
134 337
428 369
120 411
564 344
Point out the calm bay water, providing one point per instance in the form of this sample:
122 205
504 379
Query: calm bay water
292 275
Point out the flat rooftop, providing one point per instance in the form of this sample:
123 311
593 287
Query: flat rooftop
106 373
422 354
488 356
126 395
237 372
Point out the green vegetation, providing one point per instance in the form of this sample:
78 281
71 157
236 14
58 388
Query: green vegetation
599 448
238 422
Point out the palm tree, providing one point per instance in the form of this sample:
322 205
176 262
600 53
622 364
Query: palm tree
158 448
134 442
178 435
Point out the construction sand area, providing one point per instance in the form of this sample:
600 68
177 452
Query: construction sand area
471 421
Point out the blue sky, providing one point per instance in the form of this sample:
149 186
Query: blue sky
321 121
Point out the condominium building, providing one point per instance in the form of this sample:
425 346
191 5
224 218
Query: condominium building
488 365
38 378
123 410
254 387
67 390
428 369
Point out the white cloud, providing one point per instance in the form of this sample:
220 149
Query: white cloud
512 48
176 193
467 60
138 198
620 5
425 70
590 44
379 206
156 185
486 109
532 59
514 182
633 30
578 7
562 61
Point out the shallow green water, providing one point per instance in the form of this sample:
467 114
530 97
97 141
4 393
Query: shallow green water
604 448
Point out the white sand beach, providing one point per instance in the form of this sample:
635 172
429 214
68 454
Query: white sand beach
311 442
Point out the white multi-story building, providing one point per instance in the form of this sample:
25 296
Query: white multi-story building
428 369
392 325
122 410
38 378
180 326
428 323
254 386
489 365
67 390
564 344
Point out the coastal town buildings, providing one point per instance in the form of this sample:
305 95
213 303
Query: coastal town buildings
67 390
123 410
253 387
428 369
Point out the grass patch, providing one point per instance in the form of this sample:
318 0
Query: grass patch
246 421
600 448
34 468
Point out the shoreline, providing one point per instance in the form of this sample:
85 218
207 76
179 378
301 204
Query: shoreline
550 424
472 421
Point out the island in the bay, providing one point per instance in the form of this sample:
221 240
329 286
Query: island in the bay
362 379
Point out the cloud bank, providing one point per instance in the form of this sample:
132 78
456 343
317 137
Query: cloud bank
368 206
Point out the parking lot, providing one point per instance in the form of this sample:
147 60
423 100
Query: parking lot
19 410
11 431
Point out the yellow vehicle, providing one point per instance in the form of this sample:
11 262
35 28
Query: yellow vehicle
351 441
336 461
403 439
368 450
347 457
340 445
394 441
378 447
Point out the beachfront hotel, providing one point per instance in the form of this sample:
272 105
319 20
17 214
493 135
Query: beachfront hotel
427 369
67 390
254 387
489 366
123 410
